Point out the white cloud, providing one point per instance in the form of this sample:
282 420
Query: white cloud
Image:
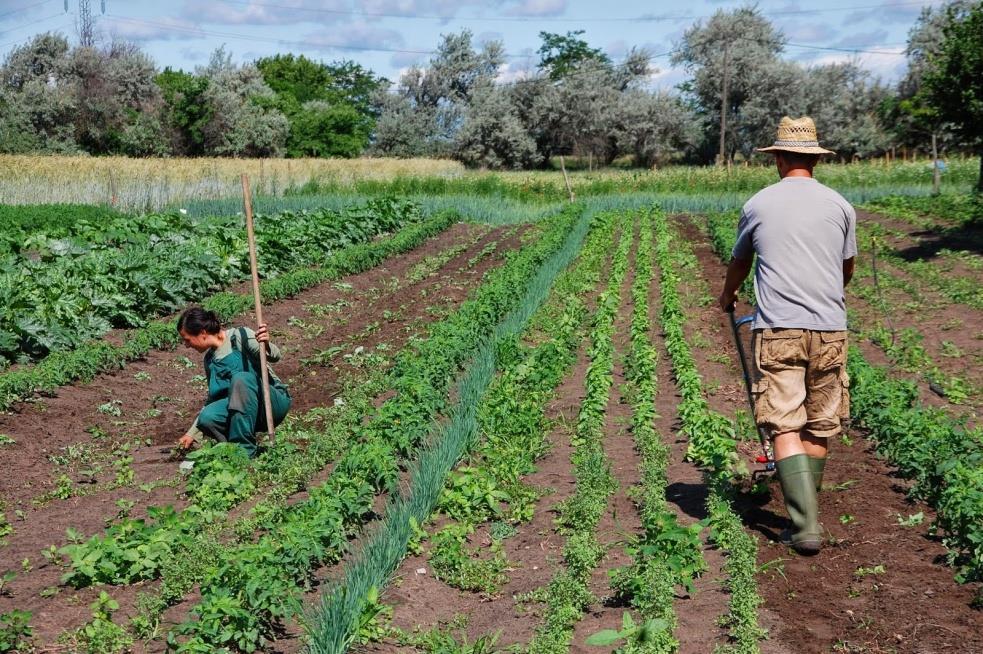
286 12
538 8
160 29
888 67
892 11
356 37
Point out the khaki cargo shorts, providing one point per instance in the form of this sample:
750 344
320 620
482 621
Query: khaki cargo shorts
800 381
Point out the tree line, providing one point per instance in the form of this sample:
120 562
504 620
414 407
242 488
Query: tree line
112 99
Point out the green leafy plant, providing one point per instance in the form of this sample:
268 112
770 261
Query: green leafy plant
15 631
101 635
630 634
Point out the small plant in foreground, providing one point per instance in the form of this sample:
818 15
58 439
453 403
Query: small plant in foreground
15 631
631 633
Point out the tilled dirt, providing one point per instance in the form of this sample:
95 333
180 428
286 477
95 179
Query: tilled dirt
880 586
421 602
383 305
952 332
620 521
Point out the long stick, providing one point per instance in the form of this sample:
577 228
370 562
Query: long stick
566 179
735 327
247 205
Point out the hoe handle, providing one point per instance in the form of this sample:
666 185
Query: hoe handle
247 205
735 327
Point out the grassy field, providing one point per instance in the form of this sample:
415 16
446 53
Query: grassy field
153 184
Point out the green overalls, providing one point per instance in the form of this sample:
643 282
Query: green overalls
234 412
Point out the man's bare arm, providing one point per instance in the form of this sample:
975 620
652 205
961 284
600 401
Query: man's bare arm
737 272
848 267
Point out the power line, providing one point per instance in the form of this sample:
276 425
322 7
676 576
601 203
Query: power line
28 38
321 45
33 22
17 11
539 19
247 37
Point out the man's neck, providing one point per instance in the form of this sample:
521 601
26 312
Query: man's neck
798 172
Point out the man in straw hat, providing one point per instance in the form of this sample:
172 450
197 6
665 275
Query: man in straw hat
804 236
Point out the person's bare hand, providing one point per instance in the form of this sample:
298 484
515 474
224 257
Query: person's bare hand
186 441
727 301
262 335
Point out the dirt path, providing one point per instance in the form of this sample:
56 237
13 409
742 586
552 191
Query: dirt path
880 587
387 304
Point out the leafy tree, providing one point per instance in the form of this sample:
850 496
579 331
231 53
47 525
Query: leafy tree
954 77
38 102
321 129
844 101
491 135
913 119
655 128
429 107
559 55
297 78
743 46
244 121
117 100
319 98
186 113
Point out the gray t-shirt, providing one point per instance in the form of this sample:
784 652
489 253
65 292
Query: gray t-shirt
802 232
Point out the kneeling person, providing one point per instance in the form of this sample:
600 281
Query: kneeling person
233 411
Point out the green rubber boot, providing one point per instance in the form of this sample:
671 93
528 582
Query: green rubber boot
818 466
799 489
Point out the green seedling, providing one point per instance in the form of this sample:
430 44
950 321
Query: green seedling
111 408
6 440
846 519
143 375
630 633
862 572
5 580
912 520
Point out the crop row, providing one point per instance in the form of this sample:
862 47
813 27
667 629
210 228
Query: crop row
665 554
55 221
568 594
61 292
421 379
905 347
712 445
335 621
923 212
938 452
96 357
512 432
421 375
513 429
402 424
931 273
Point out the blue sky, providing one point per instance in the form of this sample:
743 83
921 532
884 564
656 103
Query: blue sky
390 35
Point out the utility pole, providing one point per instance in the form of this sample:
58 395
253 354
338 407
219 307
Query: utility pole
722 158
86 22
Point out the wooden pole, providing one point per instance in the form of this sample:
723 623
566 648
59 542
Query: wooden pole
566 179
723 107
935 165
247 205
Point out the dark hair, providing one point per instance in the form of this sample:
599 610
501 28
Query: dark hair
196 320
800 159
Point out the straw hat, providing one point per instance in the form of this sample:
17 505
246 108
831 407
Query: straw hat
797 135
